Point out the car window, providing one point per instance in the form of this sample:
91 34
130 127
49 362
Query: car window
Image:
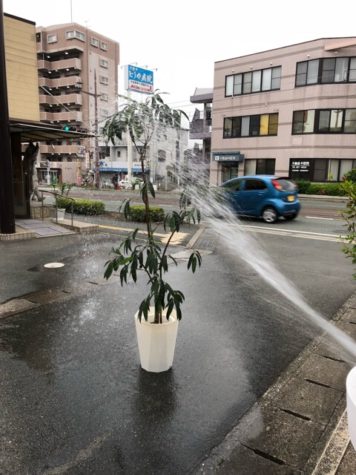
233 185
286 185
252 184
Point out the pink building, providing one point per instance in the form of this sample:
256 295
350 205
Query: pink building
78 82
289 111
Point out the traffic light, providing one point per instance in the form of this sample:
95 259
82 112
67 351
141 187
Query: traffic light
68 128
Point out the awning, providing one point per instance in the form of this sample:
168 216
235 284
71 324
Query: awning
40 132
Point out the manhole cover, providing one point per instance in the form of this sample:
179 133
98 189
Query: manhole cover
53 265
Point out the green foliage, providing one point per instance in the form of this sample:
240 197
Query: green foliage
303 186
81 206
327 189
141 120
62 189
138 213
349 215
351 175
153 259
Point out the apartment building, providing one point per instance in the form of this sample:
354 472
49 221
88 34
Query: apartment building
165 158
200 129
289 111
78 85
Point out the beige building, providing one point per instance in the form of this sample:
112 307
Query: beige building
289 111
78 84
24 113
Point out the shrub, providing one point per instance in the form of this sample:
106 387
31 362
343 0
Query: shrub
81 206
137 213
327 189
303 186
351 175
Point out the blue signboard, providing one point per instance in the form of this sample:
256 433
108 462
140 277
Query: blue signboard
139 79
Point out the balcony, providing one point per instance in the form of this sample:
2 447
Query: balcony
78 150
62 99
75 116
61 65
200 129
60 82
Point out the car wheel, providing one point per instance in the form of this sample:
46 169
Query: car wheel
269 215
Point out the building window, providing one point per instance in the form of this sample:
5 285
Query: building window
325 71
104 63
52 39
265 166
352 71
104 97
350 121
251 126
118 154
324 121
74 34
161 155
94 42
257 81
103 45
103 80
303 122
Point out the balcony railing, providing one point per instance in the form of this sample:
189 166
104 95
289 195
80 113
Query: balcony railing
200 129
78 150
63 64
62 99
75 116
60 82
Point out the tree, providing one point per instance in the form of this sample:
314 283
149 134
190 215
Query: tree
141 120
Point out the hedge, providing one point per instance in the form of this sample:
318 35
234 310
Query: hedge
137 213
327 189
81 206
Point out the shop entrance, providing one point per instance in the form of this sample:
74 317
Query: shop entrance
229 170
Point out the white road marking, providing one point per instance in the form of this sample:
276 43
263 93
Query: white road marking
318 217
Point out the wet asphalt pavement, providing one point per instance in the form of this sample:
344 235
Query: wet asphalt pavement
74 398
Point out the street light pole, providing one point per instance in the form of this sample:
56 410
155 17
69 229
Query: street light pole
7 214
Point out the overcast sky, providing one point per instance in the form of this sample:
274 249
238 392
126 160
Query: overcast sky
183 38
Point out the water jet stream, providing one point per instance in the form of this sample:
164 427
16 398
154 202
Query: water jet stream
223 221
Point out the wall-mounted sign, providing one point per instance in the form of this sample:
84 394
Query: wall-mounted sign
228 156
301 166
139 79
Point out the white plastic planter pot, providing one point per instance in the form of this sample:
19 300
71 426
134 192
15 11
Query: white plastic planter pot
351 404
60 214
156 342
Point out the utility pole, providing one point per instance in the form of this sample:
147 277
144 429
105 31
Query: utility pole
7 215
96 143
96 128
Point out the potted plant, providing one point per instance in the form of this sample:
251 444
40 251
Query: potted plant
61 189
160 310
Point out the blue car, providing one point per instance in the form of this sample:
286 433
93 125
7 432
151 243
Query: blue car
263 196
